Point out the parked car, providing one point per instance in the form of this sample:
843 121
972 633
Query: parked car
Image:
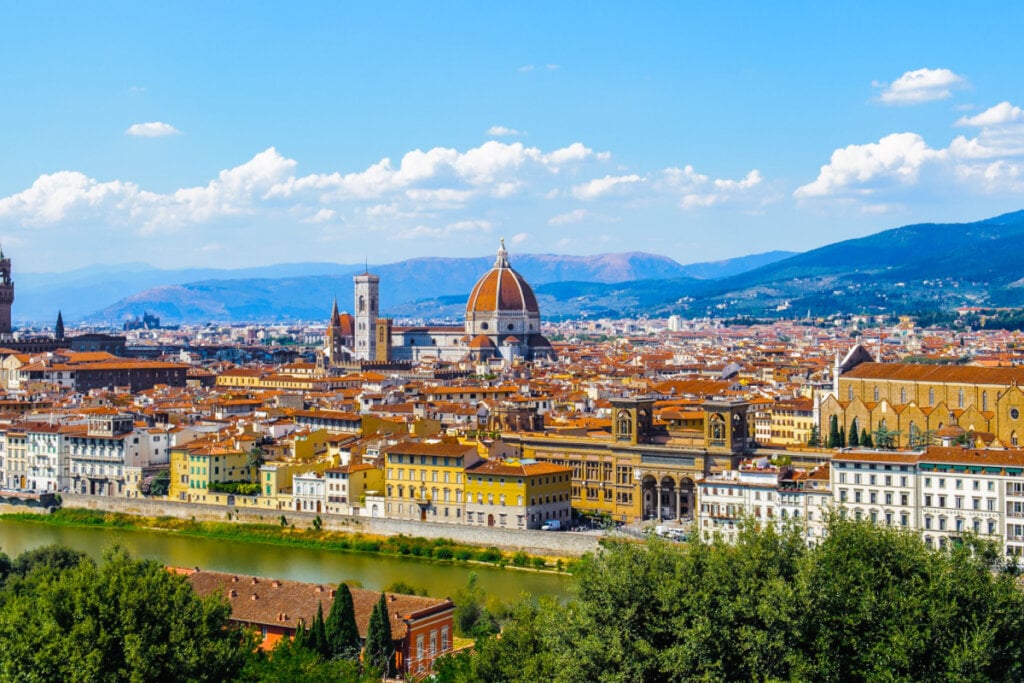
551 525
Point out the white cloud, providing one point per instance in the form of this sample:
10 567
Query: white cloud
500 131
153 129
574 216
526 68
321 216
856 168
519 238
1001 114
920 85
601 186
697 190
459 227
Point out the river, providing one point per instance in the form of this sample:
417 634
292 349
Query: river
370 570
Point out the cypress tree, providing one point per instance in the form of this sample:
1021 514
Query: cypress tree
301 636
318 633
833 432
342 633
842 437
854 434
865 438
379 646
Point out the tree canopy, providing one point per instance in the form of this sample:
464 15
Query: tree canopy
67 618
866 604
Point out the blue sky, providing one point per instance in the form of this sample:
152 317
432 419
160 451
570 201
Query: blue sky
239 134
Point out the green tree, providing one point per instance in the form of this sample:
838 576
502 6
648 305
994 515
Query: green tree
255 459
123 620
380 648
833 432
886 438
289 661
842 436
472 620
854 434
342 632
865 438
814 439
318 633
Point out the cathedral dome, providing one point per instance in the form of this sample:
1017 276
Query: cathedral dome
501 289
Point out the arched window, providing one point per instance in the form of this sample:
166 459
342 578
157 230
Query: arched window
903 396
960 398
931 397
984 400
1013 438
876 395
849 393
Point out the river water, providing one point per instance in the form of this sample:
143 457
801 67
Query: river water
370 570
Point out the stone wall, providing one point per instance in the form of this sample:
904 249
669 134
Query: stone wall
535 542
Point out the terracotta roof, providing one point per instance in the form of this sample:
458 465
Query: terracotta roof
257 600
502 289
952 374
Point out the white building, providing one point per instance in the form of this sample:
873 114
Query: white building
309 491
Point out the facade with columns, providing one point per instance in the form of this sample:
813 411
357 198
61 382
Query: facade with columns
643 471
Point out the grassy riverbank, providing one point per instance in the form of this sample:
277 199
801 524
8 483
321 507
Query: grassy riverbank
440 549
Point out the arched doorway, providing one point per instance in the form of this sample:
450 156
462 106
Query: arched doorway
667 501
686 489
648 487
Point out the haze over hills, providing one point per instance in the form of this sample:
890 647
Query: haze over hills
301 291
914 267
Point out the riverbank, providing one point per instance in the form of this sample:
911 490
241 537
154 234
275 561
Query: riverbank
442 550
535 543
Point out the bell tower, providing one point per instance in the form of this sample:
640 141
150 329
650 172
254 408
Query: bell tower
366 286
6 295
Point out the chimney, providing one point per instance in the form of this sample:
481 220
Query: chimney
255 580
234 579
319 589
255 596
276 583
333 592
233 593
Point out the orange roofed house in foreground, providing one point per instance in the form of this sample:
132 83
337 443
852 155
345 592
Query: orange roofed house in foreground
421 627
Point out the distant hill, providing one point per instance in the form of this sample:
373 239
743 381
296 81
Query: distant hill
916 267
304 291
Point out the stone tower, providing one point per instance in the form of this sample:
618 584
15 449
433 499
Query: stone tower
6 295
367 287
58 329
332 340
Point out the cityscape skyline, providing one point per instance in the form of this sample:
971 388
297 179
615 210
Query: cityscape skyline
234 136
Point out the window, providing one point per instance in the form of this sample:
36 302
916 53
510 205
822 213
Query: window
875 394
931 397
960 398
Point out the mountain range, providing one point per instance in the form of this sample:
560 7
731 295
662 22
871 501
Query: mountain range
304 291
915 267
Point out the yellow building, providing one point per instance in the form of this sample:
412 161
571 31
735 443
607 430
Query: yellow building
348 486
195 466
310 445
916 401
518 494
792 422
640 470
424 480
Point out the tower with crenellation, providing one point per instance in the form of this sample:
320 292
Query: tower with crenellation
6 295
